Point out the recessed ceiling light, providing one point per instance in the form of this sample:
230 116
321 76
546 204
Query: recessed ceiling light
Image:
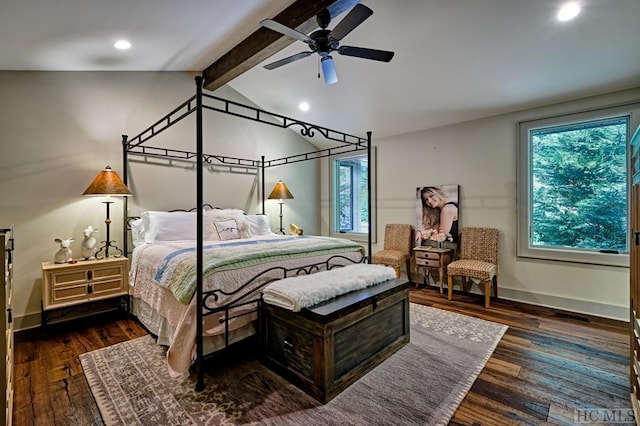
569 11
303 106
122 45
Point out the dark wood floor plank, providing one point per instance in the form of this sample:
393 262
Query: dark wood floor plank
595 378
503 367
519 398
480 410
566 394
577 342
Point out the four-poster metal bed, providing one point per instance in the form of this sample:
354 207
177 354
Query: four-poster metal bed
198 104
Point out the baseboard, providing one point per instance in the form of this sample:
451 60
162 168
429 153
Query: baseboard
620 313
587 307
26 322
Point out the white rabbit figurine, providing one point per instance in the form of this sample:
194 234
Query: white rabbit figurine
64 254
88 243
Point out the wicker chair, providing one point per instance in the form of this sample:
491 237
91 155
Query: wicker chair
397 248
478 259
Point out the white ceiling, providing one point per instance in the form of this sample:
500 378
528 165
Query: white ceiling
455 60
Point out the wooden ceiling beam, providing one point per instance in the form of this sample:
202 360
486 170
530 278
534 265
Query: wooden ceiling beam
264 42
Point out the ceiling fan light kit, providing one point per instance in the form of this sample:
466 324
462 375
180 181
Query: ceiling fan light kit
324 41
329 70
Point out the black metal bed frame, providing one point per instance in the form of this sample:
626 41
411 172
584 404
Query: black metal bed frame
197 104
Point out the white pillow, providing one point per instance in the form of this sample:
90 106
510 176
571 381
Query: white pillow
227 230
169 226
137 231
258 225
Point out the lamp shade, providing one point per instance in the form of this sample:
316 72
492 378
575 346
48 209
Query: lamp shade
280 192
107 183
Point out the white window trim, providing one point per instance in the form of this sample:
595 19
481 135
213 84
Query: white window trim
355 236
523 246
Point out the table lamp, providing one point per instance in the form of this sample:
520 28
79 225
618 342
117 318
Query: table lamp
280 192
106 184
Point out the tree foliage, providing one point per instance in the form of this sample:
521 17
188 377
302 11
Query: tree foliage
579 187
353 194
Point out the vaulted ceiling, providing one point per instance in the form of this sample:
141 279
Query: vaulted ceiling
455 60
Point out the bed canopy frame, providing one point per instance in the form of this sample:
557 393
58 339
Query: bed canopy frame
199 103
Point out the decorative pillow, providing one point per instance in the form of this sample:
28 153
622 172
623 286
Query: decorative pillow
227 230
220 215
258 225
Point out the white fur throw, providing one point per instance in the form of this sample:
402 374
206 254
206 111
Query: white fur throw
303 291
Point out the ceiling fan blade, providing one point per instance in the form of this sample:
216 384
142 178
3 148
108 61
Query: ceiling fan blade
287 60
341 6
283 29
362 52
355 17
329 70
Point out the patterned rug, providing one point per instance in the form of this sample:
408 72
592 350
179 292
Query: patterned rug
423 383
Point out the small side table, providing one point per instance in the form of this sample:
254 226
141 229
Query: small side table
432 258
67 285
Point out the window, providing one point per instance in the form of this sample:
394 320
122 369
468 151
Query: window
349 195
573 188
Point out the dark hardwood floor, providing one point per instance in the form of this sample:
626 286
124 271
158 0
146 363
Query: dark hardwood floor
548 365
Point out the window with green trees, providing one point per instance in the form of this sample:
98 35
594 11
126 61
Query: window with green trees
352 207
350 194
573 188
579 185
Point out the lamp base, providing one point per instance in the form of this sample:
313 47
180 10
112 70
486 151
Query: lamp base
103 251
281 231
108 242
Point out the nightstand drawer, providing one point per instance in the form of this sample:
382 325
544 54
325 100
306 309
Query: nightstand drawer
104 288
68 278
428 262
110 272
427 255
68 294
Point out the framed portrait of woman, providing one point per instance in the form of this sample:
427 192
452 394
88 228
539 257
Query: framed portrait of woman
437 215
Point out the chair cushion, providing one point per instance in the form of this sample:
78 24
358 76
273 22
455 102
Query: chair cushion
473 268
389 257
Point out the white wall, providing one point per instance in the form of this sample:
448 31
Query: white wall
480 156
59 129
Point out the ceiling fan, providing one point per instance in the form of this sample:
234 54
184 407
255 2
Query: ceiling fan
324 41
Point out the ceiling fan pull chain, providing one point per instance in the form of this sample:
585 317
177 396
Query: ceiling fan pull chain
318 67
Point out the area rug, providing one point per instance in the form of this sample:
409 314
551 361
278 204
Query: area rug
423 383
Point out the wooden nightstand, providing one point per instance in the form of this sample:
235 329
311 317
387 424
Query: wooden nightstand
432 258
65 284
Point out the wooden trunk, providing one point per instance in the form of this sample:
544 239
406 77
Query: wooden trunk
325 348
